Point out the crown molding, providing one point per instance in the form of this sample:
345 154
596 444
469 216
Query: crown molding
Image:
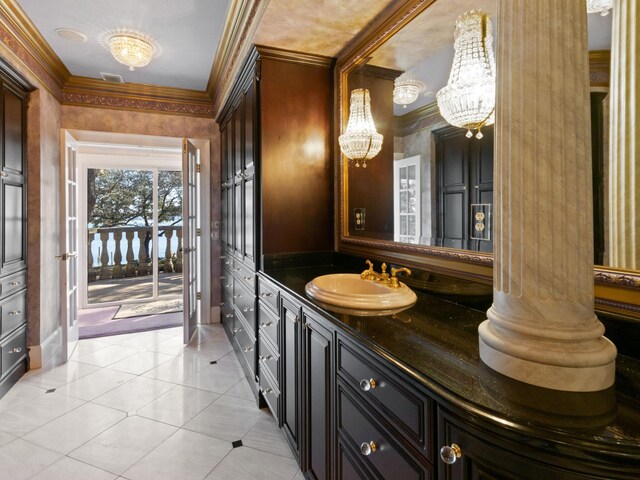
294 57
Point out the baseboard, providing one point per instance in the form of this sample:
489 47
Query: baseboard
215 314
41 355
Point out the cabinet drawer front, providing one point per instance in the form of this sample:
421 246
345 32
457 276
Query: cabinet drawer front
12 283
271 394
387 456
247 347
13 311
268 324
244 300
268 294
245 274
14 350
268 359
410 412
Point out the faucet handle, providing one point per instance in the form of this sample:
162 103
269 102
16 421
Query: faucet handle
394 283
368 272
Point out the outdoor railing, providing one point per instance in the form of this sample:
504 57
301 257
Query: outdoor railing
120 252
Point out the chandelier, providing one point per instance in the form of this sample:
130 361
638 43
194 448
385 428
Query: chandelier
360 141
469 98
406 90
599 6
131 50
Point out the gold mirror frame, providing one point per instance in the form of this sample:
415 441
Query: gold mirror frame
617 291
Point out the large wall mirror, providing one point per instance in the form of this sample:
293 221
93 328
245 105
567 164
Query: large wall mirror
426 198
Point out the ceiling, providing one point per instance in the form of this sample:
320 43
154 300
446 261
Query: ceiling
187 31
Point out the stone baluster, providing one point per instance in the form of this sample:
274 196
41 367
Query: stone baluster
131 264
179 252
142 253
168 262
105 272
624 143
91 273
541 328
118 272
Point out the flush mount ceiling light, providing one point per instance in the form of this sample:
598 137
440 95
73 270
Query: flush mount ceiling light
131 49
469 98
406 90
599 6
360 141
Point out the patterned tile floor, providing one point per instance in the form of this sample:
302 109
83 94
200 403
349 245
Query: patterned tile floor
142 406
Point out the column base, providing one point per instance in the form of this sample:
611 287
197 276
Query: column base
566 371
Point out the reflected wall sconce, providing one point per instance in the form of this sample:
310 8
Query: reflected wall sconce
599 6
360 141
406 90
469 98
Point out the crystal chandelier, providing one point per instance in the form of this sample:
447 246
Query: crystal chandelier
599 6
360 141
406 90
469 98
131 50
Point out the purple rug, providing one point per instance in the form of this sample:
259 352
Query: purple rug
100 322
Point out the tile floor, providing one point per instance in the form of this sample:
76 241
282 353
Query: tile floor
142 406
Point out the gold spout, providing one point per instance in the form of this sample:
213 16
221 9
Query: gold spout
393 281
365 275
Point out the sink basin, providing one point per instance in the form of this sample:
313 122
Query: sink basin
350 291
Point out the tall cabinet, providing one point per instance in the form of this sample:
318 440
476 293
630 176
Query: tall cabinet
276 190
13 222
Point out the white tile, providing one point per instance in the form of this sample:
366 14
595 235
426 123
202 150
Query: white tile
124 444
61 375
185 455
178 369
22 460
299 476
24 417
145 340
88 346
95 384
267 436
178 406
20 393
245 463
140 362
216 378
241 390
6 438
68 432
106 356
134 394
228 418
69 469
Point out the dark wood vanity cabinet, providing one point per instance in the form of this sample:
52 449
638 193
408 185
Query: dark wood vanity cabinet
13 232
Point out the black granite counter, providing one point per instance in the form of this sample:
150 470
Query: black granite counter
436 342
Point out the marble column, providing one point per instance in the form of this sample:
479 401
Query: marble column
541 328
624 151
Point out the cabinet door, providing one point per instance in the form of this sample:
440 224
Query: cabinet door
249 203
249 129
291 343
319 379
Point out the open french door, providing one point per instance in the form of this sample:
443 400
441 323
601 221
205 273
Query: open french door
190 164
69 245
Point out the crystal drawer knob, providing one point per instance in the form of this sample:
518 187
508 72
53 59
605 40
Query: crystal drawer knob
236 330
15 312
248 349
265 295
228 315
266 391
367 448
265 358
266 324
449 454
366 385
16 350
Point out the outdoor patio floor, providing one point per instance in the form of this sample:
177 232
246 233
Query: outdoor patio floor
134 288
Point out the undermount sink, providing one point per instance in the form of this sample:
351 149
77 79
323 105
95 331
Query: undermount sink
351 291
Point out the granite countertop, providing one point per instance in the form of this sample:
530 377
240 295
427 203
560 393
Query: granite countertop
436 342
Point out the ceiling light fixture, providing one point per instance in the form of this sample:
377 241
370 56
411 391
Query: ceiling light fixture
71 35
599 6
131 50
469 98
406 90
360 141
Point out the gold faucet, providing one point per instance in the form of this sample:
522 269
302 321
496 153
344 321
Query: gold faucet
383 277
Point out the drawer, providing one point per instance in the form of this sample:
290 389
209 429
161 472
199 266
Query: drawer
247 346
13 311
271 395
245 274
376 447
13 350
407 410
268 360
244 300
268 324
348 467
13 283
268 293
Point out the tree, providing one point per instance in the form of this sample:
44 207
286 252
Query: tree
119 198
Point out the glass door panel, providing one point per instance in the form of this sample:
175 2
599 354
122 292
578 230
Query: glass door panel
170 240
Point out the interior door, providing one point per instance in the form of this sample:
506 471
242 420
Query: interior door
190 162
69 244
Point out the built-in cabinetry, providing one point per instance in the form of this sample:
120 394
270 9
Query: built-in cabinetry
13 222
276 187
